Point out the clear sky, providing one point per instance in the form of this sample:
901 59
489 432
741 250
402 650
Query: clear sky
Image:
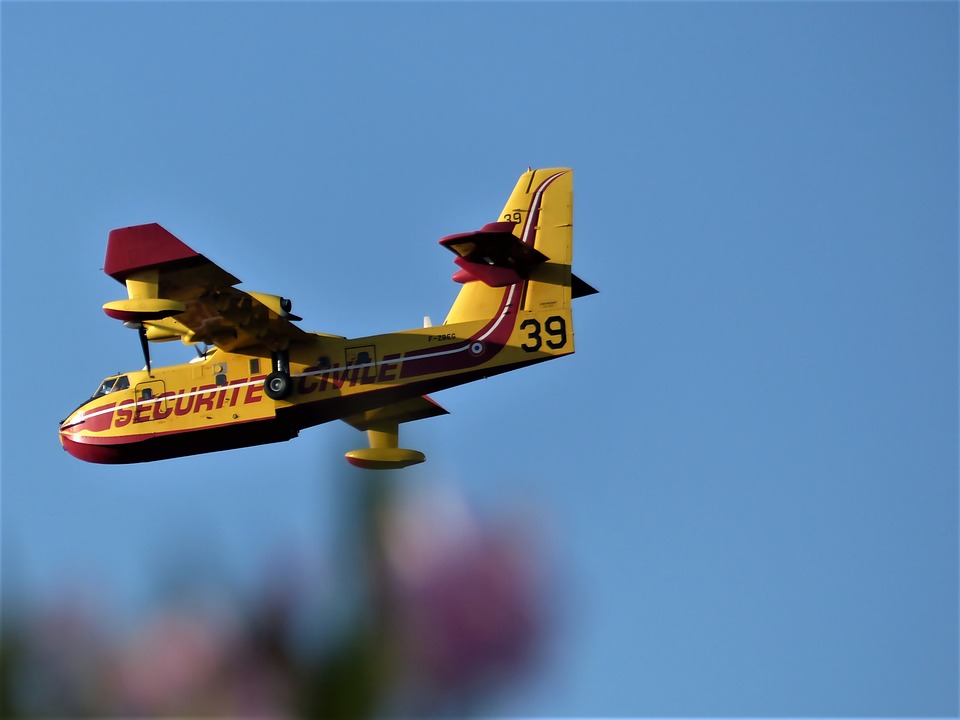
745 480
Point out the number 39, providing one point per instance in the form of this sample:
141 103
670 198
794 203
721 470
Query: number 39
555 328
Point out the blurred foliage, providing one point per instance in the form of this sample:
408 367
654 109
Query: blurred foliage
433 610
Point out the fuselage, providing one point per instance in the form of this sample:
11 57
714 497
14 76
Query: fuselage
217 402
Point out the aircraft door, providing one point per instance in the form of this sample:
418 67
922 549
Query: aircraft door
151 404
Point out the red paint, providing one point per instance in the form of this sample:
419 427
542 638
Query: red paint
494 254
497 331
492 275
196 400
463 277
369 375
94 422
495 335
205 400
179 408
389 367
488 231
136 315
286 424
307 385
232 391
143 247
499 227
158 412
253 394
142 413
146 447
332 377
124 414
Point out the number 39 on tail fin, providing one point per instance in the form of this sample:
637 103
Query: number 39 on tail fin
265 379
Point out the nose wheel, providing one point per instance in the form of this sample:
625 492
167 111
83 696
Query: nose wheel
278 384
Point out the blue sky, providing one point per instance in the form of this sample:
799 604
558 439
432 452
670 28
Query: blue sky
746 477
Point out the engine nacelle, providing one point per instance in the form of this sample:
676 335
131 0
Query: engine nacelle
280 305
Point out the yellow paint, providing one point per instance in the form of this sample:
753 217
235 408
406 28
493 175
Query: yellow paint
225 387
146 305
143 284
549 286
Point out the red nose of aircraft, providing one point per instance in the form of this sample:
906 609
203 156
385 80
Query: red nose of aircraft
70 430
76 438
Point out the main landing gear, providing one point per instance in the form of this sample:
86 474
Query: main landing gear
278 384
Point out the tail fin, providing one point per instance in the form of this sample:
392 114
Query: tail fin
539 217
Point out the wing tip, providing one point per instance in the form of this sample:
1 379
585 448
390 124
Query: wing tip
142 247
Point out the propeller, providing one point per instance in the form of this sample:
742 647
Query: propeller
144 343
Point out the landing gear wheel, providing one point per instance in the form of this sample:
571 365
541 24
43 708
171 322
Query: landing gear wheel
277 386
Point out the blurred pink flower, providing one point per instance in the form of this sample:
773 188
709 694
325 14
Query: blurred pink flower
171 661
468 602
187 662
450 607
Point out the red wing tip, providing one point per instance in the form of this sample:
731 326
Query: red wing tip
140 247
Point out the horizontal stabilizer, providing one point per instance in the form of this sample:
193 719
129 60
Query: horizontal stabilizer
404 411
580 288
493 255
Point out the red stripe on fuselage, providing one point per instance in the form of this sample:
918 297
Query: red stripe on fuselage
486 343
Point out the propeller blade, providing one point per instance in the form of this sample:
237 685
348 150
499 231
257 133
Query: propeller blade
144 345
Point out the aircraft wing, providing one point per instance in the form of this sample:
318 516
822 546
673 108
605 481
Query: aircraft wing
418 408
192 297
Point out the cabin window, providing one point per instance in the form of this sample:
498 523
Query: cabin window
254 366
221 379
146 393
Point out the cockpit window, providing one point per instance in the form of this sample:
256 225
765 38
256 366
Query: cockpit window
105 387
113 384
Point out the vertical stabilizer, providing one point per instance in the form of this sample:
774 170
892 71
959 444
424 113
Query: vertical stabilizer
538 214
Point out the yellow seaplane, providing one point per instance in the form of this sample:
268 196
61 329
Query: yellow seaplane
259 378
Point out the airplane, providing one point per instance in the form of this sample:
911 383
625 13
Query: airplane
259 378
